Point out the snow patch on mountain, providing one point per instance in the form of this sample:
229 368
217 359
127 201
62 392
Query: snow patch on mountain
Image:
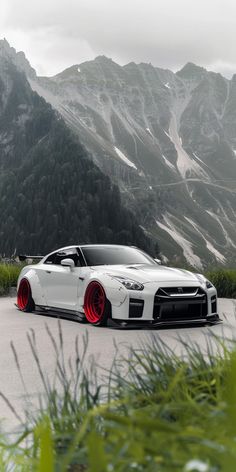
185 164
168 163
186 245
228 240
209 245
149 131
124 158
167 134
200 160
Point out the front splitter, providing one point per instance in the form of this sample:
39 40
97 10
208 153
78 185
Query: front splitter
210 320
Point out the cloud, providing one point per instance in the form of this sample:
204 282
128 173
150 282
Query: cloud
56 34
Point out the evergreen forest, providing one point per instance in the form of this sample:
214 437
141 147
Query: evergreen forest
51 192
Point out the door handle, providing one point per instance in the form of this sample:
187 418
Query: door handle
48 271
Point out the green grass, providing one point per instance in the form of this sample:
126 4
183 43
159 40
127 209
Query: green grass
225 282
8 276
155 412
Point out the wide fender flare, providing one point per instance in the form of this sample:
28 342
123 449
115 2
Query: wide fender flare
115 292
31 275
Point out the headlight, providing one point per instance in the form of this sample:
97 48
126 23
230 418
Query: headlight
203 280
209 284
129 284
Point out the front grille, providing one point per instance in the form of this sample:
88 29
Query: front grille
180 303
177 291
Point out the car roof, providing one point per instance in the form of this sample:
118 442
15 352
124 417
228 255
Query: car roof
84 246
104 245
91 245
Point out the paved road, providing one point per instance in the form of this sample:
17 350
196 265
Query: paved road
15 325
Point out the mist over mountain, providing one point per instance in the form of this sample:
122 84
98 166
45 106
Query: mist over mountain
168 140
51 192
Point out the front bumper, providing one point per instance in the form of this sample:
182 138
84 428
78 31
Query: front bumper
153 304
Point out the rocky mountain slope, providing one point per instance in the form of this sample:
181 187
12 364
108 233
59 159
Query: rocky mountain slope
168 140
51 192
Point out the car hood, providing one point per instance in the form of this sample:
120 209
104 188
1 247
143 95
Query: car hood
145 273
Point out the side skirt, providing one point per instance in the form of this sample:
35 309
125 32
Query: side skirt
59 312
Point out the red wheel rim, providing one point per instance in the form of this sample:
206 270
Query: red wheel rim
23 294
94 302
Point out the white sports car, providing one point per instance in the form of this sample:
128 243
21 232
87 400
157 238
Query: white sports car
98 282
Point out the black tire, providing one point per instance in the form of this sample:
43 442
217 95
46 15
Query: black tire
25 300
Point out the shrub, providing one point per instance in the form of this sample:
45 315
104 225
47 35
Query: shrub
8 276
224 281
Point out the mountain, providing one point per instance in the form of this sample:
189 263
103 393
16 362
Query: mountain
9 54
168 140
51 192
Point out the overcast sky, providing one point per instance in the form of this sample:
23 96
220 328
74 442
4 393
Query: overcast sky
55 34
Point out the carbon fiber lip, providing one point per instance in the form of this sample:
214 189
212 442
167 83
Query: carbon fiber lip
211 320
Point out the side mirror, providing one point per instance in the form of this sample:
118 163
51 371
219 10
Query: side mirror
158 261
68 263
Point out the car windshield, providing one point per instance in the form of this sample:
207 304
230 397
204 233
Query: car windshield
114 255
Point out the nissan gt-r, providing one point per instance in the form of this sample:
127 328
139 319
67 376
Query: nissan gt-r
99 282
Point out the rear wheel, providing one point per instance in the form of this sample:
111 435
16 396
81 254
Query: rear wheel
25 301
96 306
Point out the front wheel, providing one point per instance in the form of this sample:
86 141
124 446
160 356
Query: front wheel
96 306
25 301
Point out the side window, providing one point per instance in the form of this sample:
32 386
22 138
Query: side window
70 253
51 259
57 257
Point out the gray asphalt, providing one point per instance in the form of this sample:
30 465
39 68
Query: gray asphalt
15 325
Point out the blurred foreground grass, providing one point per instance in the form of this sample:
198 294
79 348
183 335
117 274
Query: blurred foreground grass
154 412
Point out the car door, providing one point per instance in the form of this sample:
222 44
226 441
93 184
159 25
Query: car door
60 284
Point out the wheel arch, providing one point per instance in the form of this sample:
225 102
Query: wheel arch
115 292
30 274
